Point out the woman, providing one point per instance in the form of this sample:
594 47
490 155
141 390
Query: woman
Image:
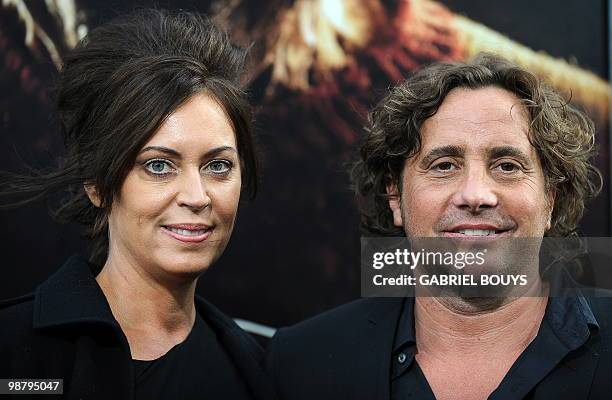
159 149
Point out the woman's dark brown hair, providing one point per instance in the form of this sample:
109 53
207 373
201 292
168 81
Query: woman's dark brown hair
562 136
115 90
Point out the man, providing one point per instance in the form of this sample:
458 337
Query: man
457 151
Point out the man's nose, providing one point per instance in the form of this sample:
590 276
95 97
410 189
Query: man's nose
476 190
192 191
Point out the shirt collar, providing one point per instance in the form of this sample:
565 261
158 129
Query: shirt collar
405 334
569 314
571 320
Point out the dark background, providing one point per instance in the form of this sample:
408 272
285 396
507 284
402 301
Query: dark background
295 250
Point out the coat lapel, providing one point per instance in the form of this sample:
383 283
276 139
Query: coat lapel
373 364
245 353
71 301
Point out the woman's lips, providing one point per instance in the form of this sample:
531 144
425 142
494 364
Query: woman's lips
188 235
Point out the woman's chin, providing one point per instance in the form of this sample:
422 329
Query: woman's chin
184 269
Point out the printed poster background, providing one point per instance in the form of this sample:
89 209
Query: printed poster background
316 68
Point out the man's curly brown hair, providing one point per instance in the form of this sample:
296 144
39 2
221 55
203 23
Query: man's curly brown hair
562 136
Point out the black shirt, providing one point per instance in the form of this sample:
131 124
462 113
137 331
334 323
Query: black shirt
567 325
197 368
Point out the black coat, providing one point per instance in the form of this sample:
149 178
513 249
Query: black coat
346 353
66 330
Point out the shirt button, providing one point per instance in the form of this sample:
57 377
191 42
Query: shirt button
401 358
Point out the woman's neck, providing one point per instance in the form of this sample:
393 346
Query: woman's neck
154 313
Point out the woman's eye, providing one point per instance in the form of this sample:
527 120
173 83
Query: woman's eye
158 167
219 167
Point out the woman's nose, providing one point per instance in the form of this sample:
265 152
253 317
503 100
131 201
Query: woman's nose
192 191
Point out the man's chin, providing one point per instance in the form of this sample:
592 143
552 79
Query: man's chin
470 305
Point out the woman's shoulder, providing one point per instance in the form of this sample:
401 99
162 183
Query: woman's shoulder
17 314
227 329
213 315
246 354
66 300
7 304
21 346
16 318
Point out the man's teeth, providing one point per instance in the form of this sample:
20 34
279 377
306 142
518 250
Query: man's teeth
476 232
185 232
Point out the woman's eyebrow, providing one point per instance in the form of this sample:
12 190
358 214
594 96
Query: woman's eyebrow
175 153
162 149
218 150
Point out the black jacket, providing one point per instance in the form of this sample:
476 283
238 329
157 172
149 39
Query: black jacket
346 353
66 330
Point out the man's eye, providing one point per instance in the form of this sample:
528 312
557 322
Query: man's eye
219 166
158 167
444 166
508 167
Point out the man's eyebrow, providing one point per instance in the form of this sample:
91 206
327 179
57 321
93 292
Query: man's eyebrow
509 151
167 150
442 151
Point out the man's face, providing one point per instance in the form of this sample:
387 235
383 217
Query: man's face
476 173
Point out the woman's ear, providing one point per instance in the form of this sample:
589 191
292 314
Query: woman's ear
93 195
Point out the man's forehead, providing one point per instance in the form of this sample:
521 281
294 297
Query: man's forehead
478 118
489 103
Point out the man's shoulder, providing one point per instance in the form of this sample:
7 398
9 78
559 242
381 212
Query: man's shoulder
598 350
343 318
323 356
338 329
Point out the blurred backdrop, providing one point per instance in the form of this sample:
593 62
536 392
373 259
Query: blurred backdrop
316 67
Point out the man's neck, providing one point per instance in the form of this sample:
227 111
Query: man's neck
480 347
444 327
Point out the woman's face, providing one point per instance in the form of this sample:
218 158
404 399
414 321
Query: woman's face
178 204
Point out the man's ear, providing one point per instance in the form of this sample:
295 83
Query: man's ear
93 195
552 195
394 199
